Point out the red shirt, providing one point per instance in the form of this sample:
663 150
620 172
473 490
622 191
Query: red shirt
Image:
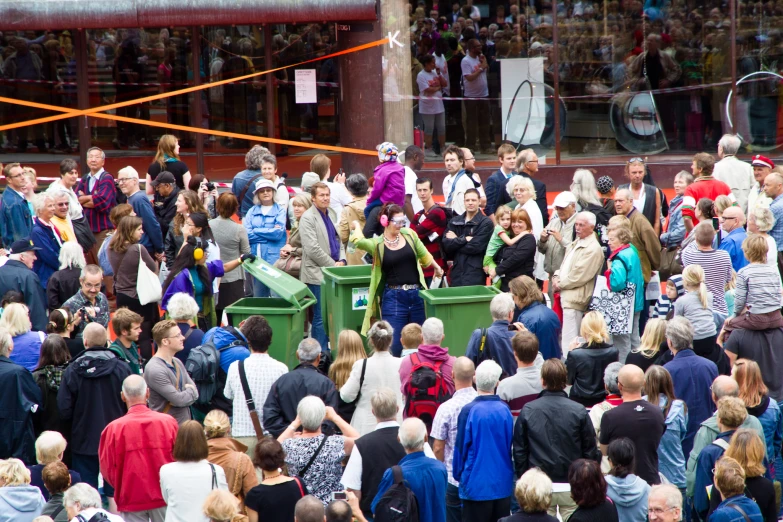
702 188
132 450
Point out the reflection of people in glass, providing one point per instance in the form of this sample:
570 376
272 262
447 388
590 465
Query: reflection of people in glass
474 78
128 71
24 65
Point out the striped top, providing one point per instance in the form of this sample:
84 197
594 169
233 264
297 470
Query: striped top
717 272
104 198
758 287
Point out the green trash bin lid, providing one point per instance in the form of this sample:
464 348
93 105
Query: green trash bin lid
286 287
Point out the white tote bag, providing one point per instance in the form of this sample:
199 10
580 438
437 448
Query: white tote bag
147 283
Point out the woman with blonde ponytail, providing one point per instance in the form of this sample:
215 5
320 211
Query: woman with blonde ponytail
696 306
229 454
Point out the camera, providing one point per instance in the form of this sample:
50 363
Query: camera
210 186
339 495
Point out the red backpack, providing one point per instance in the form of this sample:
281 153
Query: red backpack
426 390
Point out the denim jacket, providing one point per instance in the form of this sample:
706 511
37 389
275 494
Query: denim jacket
771 418
15 218
671 460
266 233
675 233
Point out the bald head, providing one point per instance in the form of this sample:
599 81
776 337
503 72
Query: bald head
94 336
724 386
733 218
773 185
464 370
134 390
631 380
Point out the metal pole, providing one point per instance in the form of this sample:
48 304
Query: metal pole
270 88
733 36
195 42
556 86
82 94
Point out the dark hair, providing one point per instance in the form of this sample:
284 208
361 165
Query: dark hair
67 165
357 185
58 322
453 149
554 375
226 205
472 191
11 296
195 182
191 443
422 181
413 150
117 213
185 260
706 206
258 333
427 58
389 210
123 236
588 487
54 352
268 454
56 477
201 220
621 454
320 185
339 511
525 346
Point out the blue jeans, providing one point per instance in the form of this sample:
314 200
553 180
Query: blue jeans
261 290
398 308
88 467
453 504
318 332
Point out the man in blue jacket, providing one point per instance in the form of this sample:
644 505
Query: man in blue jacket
495 187
17 274
152 239
16 220
482 453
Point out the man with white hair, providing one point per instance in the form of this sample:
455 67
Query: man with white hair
89 301
46 237
132 450
644 238
285 394
561 230
664 503
430 353
733 223
21 399
152 239
762 167
17 274
575 280
482 453
83 500
426 477
494 342
734 172
61 219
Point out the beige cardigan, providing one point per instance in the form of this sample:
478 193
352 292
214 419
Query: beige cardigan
582 262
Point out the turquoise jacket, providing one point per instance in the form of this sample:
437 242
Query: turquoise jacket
626 268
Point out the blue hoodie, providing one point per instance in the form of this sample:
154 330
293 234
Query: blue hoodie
629 495
20 503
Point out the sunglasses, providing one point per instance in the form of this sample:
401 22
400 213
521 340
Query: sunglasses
636 160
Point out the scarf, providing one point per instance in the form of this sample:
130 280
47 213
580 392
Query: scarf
169 159
53 376
608 273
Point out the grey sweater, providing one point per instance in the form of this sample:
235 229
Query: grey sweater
164 389
701 318
232 239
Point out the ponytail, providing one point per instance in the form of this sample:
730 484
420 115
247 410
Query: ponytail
693 279
703 294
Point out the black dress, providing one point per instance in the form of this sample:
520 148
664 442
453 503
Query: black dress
178 168
603 512
276 503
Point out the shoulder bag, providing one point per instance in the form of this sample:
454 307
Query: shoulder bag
304 470
177 375
251 405
148 285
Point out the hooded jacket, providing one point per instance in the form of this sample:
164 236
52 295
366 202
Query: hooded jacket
629 495
20 503
89 396
165 209
431 353
769 415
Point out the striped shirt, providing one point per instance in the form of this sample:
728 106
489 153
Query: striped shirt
777 230
104 197
717 272
430 226
758 287
519 389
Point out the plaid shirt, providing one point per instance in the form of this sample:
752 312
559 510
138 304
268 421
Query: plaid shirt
430 226
444 425
104 197
79 301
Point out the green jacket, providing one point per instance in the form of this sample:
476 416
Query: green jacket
129 355
376 247
707 433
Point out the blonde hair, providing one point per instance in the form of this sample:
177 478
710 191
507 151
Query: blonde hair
49 446
216 424
16 319
732 412
593 328
166 146
501 211
350 349
410 336
729 477
747 448
722 203
654 335
755 248
221 506
30 173
693 279
533 491
14 473
618 221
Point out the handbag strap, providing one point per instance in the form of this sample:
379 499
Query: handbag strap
251 405
245 189
178 374
305 469
361 382
214 476
299 483
236 487
735 507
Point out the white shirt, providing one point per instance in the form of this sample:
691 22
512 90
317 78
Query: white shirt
410 189
383 371
339 197
262 371
185 486
477 88
638 204
537 220
429 103
458 198
93 178
352 476
772 251
738 175
443 67
74 207
88 513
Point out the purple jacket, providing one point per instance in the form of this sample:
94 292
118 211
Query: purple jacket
182 282
388 184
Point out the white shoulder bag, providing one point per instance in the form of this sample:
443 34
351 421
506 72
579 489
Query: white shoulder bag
147 283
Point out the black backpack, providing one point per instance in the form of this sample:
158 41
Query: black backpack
203 366
398 504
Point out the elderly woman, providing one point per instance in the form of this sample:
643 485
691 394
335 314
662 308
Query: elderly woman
533 493
380 370
231 239
46 237
19 501
324 453
626 490
229 454
277 492
183 309
83 500
659 387
625 273
523 192
588 359
265 225
760 221
221 506
49 447
588 490
269 172
27 343
357 187
729 478
586 191
64 283
291 254
674 227
167 159
539 319
398 259
612 400
520 258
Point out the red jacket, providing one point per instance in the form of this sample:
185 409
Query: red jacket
132 450
704 187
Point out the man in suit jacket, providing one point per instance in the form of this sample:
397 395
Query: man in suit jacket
320 248
497 194
527 165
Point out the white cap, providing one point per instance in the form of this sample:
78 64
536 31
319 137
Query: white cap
564 199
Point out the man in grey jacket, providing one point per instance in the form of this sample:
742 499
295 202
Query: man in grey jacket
172 390
558 235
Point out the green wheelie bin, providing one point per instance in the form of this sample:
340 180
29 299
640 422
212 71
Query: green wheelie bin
344 297
286 313
462 309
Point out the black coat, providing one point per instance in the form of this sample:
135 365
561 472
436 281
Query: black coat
540 197
289 389
172 244
89 396
550 433
14 275
63 285
20 396
468 256
517 260
165 209
586 366
497 195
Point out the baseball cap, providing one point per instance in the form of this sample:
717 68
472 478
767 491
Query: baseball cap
309 179
164 177
23 245
762 161
564 199
262 184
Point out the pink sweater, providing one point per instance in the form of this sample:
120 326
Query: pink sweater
431 353
388 183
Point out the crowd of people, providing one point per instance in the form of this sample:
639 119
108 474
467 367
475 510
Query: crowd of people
630 360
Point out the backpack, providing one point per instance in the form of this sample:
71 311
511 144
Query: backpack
203 366
399 503
426 390
484 353
103 257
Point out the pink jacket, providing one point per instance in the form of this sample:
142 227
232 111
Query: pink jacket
431 353
388 183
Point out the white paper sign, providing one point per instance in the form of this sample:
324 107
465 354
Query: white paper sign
305 86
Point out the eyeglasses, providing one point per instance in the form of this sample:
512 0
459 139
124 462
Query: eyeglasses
470 159
636 160
660 511
726 218
533 161
120 180
88 286
175 336
63 204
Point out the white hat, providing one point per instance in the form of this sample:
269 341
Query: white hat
564 199
262 184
